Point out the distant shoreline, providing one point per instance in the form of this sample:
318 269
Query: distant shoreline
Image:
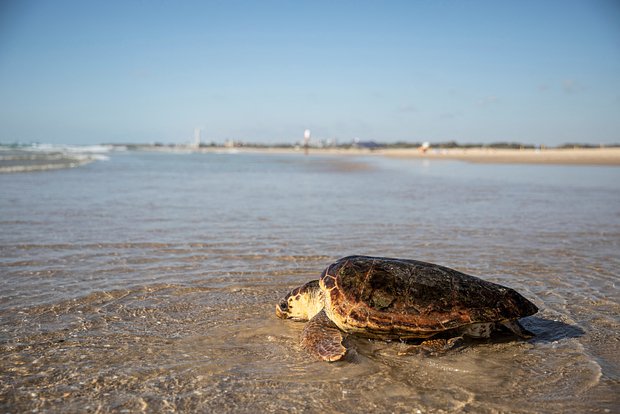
22 159
564 156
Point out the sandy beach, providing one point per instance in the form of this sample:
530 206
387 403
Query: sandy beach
590 156
569 156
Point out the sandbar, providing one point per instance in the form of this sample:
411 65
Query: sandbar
568 156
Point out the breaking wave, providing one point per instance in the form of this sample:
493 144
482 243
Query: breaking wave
44 157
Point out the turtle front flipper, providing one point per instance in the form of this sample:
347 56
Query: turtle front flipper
322 338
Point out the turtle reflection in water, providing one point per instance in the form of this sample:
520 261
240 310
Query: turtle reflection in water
386 298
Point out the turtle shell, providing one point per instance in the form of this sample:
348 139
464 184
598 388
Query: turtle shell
384 297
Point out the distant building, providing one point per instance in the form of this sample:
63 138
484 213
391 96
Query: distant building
306 140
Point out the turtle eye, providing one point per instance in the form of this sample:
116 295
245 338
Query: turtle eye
284 306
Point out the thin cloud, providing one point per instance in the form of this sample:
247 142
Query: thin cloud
407 109
141 73
488 101
543 87
571 86
449 115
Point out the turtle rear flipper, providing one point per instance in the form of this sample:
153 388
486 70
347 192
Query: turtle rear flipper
322 338
516 328
434 346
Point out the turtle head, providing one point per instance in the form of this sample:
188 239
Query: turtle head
301 303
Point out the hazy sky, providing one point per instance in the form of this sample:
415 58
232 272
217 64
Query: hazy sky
262 71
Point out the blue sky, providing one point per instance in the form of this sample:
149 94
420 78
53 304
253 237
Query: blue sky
85 72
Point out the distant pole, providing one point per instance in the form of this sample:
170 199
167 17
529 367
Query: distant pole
197 133
306 141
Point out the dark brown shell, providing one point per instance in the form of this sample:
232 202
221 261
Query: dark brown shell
396 296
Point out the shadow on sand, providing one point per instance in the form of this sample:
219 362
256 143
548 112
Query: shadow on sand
548 330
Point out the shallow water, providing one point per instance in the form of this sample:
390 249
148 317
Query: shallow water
147 283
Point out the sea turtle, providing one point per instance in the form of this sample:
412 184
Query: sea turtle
386 298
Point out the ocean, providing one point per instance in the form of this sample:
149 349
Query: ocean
147 281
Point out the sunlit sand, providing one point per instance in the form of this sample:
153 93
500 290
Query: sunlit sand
590 156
